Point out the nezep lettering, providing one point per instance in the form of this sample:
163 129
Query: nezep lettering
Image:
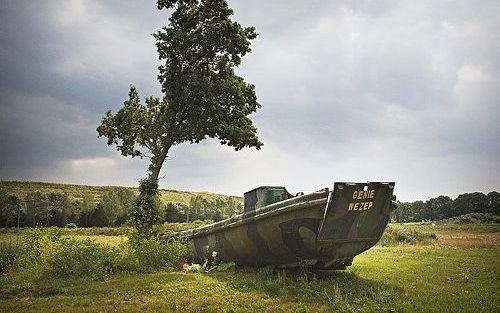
360 206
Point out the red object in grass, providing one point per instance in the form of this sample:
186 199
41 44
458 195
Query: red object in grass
182 264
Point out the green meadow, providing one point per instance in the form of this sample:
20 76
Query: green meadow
458 271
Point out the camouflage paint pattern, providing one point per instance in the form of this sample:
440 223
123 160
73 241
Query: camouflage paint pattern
324 229
265 195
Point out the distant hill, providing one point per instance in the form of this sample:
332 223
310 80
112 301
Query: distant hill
77 191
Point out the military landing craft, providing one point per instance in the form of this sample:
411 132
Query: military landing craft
324 229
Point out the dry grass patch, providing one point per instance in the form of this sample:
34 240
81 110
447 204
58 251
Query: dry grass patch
482 240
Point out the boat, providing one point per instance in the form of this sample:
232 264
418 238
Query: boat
322 230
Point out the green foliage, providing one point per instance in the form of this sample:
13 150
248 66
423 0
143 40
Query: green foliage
98 231
9 254
437 208
37 213
183 226
148 254
443 207
195 268
76 258
475 218
201 208
84 201
202 95
145 213
393 236
84 210
226 266
63 205
58 206
112 210
44 251
200 47
39 245
10 206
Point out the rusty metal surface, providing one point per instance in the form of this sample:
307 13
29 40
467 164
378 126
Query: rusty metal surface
324 229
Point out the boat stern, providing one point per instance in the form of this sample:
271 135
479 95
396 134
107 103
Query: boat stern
355 217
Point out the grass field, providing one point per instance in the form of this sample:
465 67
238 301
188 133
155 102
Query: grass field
458 272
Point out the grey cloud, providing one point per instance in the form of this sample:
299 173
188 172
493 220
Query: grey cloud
351 90
56 82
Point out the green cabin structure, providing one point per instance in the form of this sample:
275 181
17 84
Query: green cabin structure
263 196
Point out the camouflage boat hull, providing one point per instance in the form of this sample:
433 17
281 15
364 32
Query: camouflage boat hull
325 229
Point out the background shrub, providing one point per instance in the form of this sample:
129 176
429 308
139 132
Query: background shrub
475 218
83 258
150 255
393 236
39 245
9 254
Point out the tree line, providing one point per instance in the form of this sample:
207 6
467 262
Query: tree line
443 207
56 208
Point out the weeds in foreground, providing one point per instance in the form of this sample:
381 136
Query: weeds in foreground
75 258
46 252
8 256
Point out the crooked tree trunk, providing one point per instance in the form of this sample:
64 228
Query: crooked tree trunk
145 213
158 162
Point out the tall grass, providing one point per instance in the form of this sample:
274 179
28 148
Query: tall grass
76 258
46 252
8 256
394 236
148 255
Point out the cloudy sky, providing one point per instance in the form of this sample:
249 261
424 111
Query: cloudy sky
404 91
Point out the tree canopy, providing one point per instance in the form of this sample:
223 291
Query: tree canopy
202 95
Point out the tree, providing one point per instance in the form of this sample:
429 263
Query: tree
438 208
493 203
58 205
126 198
233 207
10 206
475 202
3 204
202 96
85 207
37 212
402 213
417 210
113 208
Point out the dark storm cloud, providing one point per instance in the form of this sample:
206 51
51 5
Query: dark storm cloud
60 72
351 90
